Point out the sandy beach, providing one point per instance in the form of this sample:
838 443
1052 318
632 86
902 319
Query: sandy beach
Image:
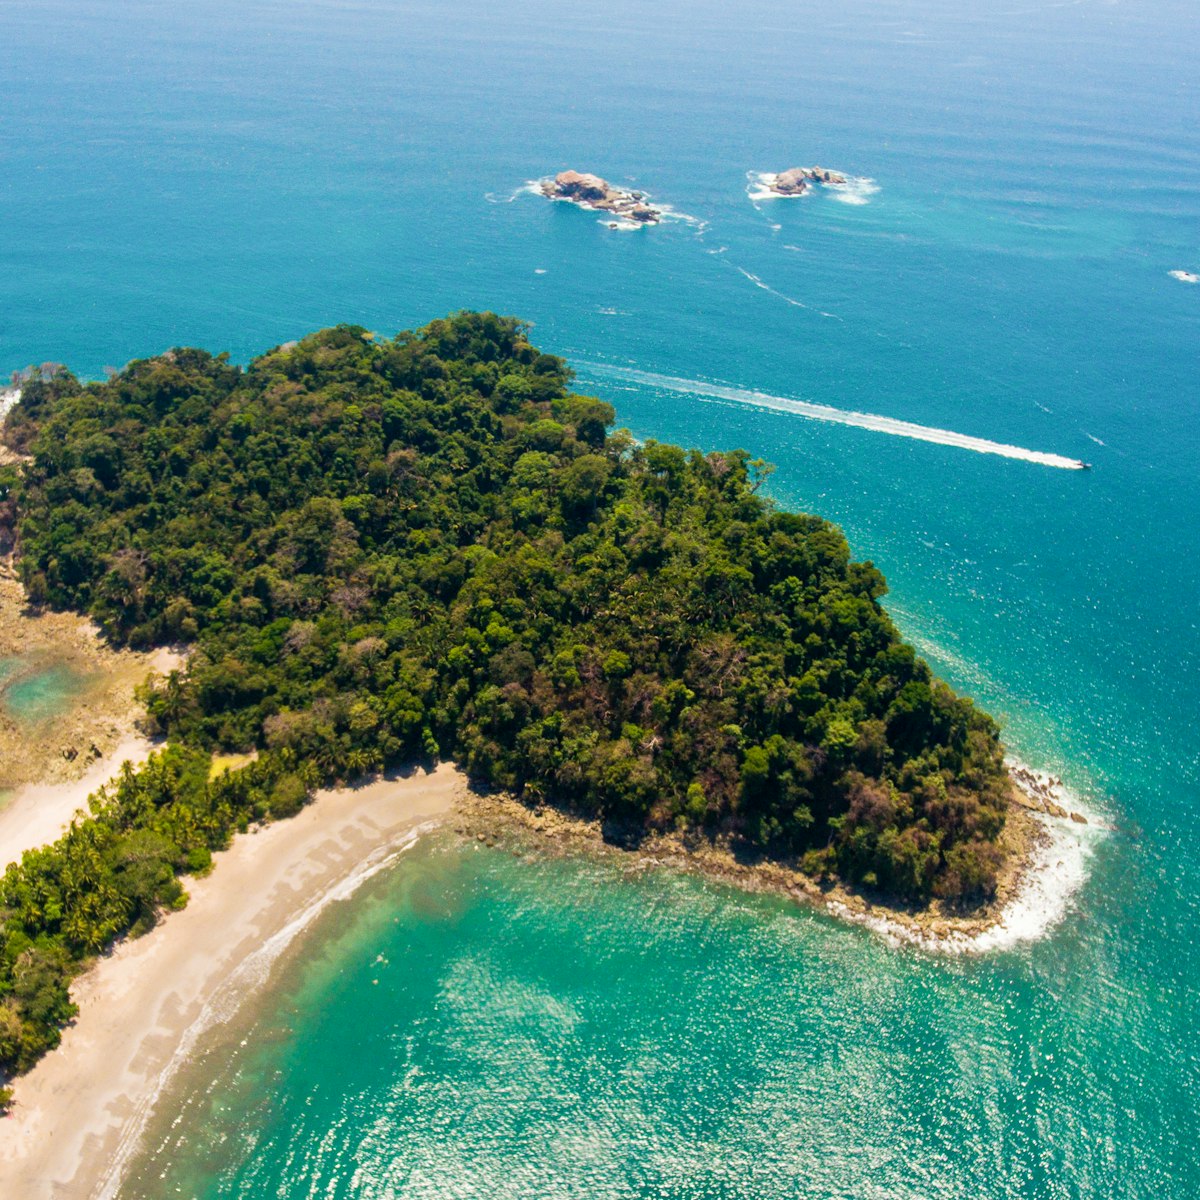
79 1113
49 768
38 813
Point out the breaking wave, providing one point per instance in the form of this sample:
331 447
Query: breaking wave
856 190
1053 876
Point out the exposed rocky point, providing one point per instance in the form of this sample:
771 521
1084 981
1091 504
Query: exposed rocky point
590 191
1040 793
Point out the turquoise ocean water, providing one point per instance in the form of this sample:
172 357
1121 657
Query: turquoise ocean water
233 175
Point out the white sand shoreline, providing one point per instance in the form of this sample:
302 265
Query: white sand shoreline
38 814
80 1113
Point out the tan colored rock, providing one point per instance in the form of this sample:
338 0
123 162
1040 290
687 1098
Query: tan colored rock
792 182
590 191
795 180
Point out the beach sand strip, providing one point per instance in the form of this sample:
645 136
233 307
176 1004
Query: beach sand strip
79 1113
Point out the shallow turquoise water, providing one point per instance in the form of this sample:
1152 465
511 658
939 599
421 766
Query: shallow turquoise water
477 1025
235 175
34 692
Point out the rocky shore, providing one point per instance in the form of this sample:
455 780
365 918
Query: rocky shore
1041 793
104 711
1031 843
590 191
795 181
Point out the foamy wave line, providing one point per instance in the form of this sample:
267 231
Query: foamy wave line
836 416
856 190
251 973
1056 872
673 214
531 187
766 287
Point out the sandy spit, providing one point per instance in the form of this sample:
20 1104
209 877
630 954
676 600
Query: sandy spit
79 1113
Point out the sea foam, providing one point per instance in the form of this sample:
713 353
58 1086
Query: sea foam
531 187
836 416
853 191
856 190
1056 871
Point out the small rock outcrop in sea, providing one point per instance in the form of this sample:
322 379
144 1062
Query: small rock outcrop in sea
795 180
590 191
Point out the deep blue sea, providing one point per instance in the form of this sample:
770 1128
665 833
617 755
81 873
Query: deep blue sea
234 175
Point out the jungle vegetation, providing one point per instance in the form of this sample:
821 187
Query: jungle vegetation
429 547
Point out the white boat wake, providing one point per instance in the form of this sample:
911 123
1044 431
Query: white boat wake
836 416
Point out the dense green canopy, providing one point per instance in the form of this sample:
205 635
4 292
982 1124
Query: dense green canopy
384 550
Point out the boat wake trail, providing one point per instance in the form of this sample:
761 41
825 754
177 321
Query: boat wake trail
766 287
836 416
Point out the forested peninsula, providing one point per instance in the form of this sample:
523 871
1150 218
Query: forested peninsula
381 551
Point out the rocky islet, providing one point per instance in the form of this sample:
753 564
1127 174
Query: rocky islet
795 181
590 191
